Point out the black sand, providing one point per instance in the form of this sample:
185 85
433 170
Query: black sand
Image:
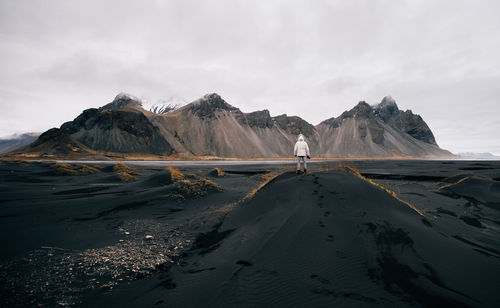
328 238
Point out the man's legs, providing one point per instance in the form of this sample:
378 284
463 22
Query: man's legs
299 158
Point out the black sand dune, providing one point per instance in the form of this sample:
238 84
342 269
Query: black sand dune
325 239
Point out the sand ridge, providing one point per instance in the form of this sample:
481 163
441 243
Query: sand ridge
325 239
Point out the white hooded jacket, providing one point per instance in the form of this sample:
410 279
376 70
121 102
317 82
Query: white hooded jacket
301 147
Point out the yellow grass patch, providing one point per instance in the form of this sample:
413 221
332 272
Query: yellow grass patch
175 174
126 177
121 167
452 184
64 169
125 173
267 178
356 172
254 191
76 169
82 168
218 172
197 188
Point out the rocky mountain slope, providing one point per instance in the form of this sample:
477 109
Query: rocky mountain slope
410 123
210 126
380 130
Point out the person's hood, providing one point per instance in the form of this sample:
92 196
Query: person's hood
301 137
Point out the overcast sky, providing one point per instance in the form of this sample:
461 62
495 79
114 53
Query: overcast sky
313 59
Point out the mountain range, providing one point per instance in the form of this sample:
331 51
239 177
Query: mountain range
211 127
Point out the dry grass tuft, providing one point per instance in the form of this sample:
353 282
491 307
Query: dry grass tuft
175 174
356 172
121 167
64 169
126 177
125 173
82 168
446 185
254 191
191 189
217 172
77 169
266 177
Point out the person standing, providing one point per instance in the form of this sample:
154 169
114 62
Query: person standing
301 151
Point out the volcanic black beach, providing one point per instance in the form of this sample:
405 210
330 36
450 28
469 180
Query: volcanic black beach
358 233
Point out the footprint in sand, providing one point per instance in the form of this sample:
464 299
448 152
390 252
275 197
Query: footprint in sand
340 254
326 214
330 238
321 224
320 279
244 263
361 214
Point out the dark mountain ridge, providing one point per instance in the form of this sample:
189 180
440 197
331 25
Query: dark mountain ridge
410 123
210 126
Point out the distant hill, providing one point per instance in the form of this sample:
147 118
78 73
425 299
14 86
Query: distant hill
210 126
15 142
478 155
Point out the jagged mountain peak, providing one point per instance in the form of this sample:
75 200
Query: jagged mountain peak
260 118
362 109
206 106
165 106
410 123
125 96
124 100
294 125
388 101
386 109
210 98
